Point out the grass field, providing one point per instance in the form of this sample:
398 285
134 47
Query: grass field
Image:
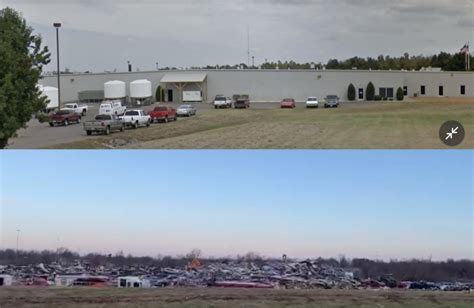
382 125
78 297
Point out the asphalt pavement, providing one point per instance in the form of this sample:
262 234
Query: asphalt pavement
39 135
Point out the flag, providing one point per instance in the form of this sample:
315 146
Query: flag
465 49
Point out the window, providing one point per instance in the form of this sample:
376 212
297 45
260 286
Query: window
383 92
463 90
123 283
441 91
405 90
390 92
423 90
386 92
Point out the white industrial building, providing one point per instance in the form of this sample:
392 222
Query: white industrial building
268 85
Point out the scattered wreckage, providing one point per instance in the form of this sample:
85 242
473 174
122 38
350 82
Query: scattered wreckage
280 274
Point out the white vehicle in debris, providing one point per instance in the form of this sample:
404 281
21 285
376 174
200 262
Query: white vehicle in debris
80 109
136 118
222 101
112 107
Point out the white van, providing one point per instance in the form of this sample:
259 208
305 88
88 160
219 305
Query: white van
112 107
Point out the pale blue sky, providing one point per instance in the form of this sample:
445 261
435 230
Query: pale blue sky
378 204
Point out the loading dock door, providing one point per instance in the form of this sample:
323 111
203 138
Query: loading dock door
361 93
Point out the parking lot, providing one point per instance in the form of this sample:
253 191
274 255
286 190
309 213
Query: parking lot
358 125
40 135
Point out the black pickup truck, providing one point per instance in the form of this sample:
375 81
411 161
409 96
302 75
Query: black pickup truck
241 101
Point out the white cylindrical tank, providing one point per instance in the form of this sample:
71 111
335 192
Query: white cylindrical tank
140 89
52 94
114 89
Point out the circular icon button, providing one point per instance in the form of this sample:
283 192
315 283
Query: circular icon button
452 133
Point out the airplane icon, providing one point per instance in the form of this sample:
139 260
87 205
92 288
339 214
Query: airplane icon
454 131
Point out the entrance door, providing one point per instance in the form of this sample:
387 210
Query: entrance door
441 91
361 93
170 95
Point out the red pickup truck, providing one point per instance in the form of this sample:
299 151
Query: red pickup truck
64 117
163 114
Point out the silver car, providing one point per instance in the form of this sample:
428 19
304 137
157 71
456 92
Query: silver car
186 111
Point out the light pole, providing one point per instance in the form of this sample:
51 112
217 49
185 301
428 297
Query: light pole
57 25
17 243
157 66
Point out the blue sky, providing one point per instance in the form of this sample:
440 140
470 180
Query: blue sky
377 204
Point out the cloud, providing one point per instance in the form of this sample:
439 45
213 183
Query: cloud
200 32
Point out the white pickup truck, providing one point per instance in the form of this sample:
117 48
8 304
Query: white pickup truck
112 107
222 101
136 118
80 109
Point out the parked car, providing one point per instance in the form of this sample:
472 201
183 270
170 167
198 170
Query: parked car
80 109
242 101
331 101
163 114
312 102
136 118
186 111
222 101
64 117
112 107
104 123
288 103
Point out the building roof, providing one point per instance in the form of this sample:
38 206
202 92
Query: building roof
183 77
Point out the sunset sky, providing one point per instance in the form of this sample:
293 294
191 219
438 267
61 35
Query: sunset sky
376 204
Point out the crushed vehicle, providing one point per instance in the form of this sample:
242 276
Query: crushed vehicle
163 114
64 117
80 109
104 123
136 118
112 107
222 101
186 111
241 101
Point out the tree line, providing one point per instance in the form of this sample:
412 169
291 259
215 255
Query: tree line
410 270
444 60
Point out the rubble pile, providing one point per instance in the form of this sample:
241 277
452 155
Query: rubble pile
301 275
266 274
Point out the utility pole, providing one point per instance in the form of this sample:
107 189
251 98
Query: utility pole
57 25
248 46
17 243
253 61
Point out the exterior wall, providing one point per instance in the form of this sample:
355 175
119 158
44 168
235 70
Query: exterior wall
451 81
188 87
274 85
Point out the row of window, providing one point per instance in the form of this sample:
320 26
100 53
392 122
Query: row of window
389 92
462 90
